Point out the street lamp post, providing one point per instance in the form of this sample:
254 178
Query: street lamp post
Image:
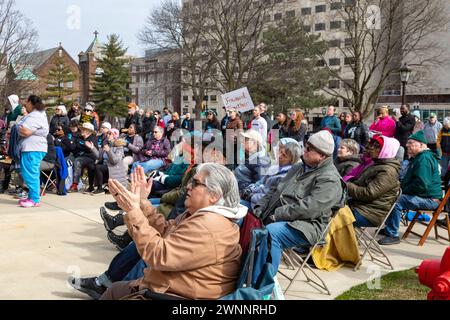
405 73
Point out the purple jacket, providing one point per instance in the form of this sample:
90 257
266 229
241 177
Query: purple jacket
160 150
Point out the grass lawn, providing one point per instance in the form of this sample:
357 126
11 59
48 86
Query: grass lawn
402 285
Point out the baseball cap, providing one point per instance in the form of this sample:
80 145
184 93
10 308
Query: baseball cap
88 126
253 135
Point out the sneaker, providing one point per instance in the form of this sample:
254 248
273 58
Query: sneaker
89 190
87 286
29 204
386 241
73 188
382 232
112 206
111 222
22 195
119 241
98 191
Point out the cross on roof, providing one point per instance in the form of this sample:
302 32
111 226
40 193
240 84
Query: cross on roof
96 33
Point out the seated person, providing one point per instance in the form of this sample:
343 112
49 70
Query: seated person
85 157
62 140
197 255
134 145
298 209
49 161
290 153
110 162
154 154
347 157
374 191
256 163
421 186
102 136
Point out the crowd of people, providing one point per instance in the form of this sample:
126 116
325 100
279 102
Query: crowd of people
183 202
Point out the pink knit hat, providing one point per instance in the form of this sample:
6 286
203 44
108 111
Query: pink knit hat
115 133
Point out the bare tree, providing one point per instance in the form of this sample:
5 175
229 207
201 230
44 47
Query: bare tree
173 26
380 35
17 39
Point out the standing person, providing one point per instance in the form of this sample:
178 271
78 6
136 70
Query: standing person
224 122
281 125
331 121
419 124
188 123
296 129
167 116
357 130
431 129
384 124
88 117
148 124
133 118
259 124
16 109
404 125
264 115
346 123
211 121
75 111
61 118
33 130
234 126
443 144
173 125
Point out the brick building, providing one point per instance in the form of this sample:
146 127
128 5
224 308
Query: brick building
88 68
31 77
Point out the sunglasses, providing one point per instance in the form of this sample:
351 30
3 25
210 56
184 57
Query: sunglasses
195 183
59 129
87 110
310 148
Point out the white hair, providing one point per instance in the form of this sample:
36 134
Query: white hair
63 109
221 181
159 129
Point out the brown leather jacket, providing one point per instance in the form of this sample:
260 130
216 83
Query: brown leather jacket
194 256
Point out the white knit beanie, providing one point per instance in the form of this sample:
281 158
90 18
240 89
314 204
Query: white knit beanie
323 141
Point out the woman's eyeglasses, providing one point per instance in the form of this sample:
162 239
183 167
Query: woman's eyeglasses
195 183
87 110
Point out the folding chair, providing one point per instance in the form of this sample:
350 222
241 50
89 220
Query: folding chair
295 259
49 181
435 215
370 244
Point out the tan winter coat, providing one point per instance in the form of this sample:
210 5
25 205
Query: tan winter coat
194 256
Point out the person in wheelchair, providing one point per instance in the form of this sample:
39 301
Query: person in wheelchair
195 256
373 192
297 210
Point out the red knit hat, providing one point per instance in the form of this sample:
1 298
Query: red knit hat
379 139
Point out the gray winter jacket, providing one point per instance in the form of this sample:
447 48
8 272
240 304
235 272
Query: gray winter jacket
116 168
305 199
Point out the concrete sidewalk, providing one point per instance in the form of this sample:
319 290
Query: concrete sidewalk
65 236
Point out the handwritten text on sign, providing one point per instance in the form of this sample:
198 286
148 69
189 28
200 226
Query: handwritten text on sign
239 99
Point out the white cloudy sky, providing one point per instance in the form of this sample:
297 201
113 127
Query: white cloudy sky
56 21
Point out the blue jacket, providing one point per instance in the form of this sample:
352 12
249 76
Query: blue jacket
331 122
253 170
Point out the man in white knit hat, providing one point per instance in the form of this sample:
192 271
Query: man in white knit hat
298 210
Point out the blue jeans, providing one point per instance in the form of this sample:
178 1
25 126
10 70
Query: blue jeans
406 202
283 237
361 221
123 263
444 163
150 165
30 168
155 201
137 272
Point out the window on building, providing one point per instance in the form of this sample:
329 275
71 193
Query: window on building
350 3
143 79
320 63
185 98
213 98
306 28
290 14
306 11
278 1
319 27
321 8
336 43
348 42
335 25
349 61
334 84
277 16
335 62
336 6
267 18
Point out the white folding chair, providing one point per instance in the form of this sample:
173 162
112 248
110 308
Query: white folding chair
369 242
